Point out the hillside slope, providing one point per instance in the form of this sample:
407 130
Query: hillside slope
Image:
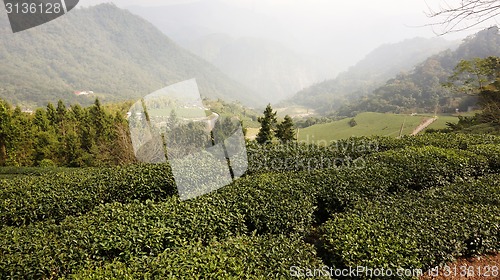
103 49
381 64
421 90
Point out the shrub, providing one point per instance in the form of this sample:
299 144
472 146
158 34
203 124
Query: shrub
273 203
57 195
419 230
262 257
425 167
113 231
47 163
491 152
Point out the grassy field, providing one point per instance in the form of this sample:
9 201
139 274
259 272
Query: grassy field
369 124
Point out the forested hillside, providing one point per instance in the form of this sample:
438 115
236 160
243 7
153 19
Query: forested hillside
378 66
421 90
103 49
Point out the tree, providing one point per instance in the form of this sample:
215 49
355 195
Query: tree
481 77
463 15
5 130
473 75
51 114
267 123
284 131
41 120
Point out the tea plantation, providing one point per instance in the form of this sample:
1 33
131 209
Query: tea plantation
380 203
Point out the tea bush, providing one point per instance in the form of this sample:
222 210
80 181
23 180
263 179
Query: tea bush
112 231
491 152
241 257
417 230
54 196
425 167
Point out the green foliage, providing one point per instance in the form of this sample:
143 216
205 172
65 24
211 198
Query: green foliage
353 240
113 231
267 126
240 257
47 163
75 137
415 202
427 167
55 196
475 74
491 152
273 203
417 230
284 131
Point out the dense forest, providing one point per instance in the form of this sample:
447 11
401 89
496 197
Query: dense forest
61 136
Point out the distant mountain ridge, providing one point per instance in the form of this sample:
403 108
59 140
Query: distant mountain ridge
102 49
421 90
246 45
271 70
361 79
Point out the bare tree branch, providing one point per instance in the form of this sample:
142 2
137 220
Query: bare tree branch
463 15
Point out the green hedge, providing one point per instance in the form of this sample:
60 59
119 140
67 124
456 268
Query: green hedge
242 257
425 167
440 140
340 190
491 152
53 197
273 203
420 230
113 231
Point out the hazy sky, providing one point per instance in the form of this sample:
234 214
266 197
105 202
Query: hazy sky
348 30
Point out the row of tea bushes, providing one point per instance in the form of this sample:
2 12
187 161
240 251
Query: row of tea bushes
113 231
376 197
440 140
57 195
240 257
425 167
419 230
31 199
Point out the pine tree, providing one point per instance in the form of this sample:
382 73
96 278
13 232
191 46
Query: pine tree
51 114
268 123
41 120
284 131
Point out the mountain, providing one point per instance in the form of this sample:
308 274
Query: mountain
252 48
271 70
379 65
102 49
186 21
421 90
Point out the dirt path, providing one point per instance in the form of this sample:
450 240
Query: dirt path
484 267
423 126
